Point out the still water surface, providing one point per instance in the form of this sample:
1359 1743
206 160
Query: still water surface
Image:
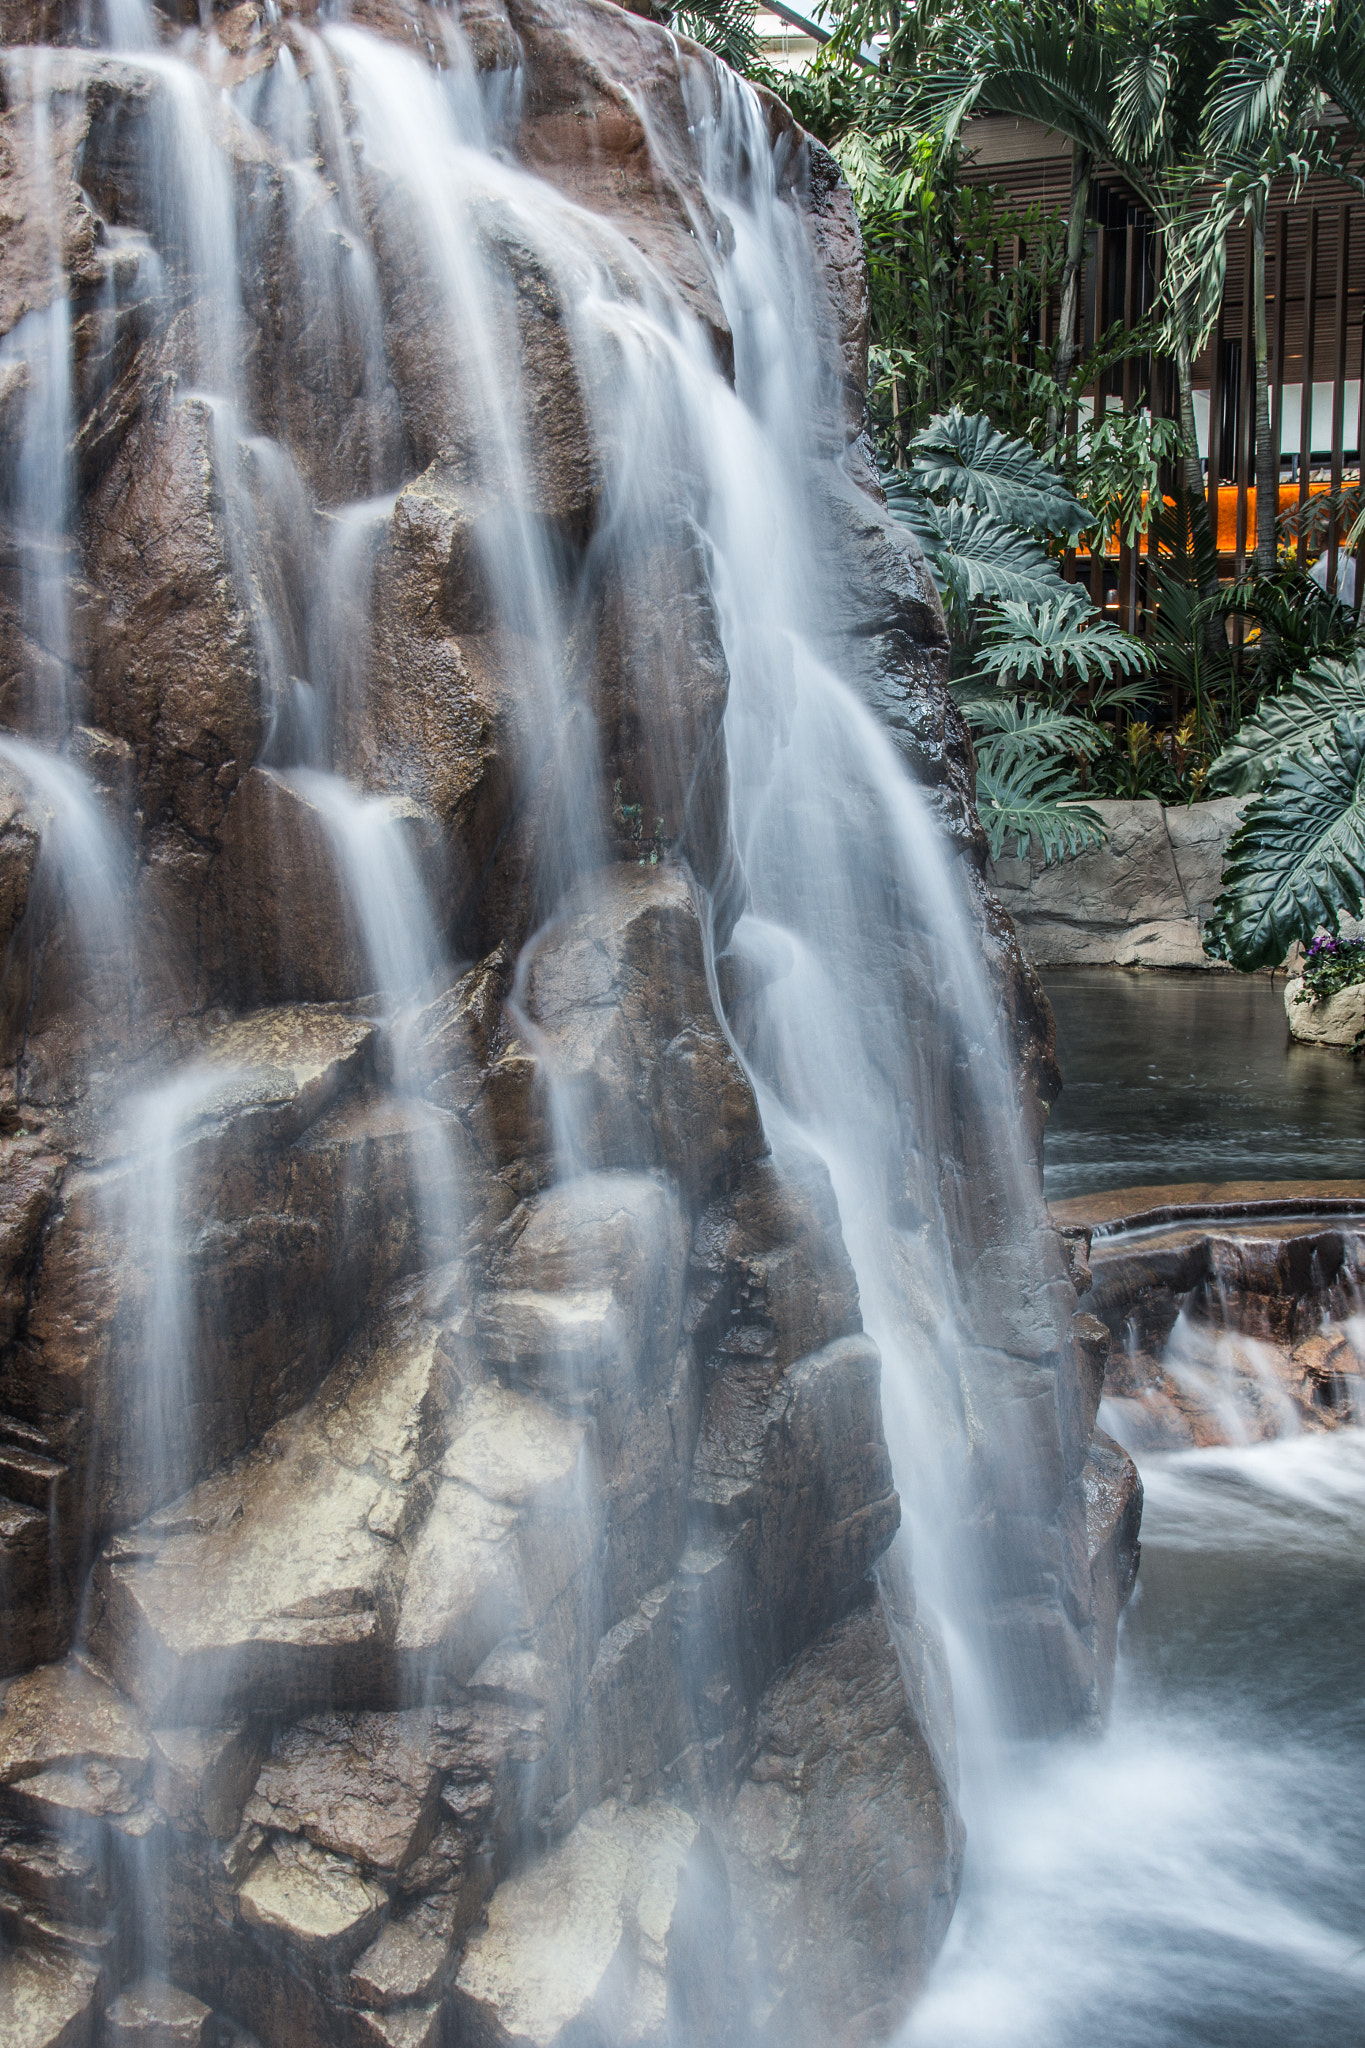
1195 1878
1193 1077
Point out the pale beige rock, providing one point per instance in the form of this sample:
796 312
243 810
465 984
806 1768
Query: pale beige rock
154 2014
69 1744
268 1585
409 1960
1141 900
47 2001
1339 1020
589 1937
321 1905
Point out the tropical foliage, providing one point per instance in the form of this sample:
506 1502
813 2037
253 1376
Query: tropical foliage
995 453
1297 861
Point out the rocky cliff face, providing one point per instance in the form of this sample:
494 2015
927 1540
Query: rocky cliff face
445 1508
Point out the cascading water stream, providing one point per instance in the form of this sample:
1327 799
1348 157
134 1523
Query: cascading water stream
841 944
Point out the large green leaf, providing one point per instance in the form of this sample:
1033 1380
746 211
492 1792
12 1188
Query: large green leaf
1298 859
1031 798
981 557
963 457
1064 637
1301 715
1009 728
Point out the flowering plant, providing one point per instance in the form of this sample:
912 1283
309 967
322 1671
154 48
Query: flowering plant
1332 965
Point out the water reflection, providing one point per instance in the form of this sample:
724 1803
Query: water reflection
1193 1077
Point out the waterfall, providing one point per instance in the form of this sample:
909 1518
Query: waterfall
573 1130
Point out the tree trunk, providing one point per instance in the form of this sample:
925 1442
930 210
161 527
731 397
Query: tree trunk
1267 458
1067 350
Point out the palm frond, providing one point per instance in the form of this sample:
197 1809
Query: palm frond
725 27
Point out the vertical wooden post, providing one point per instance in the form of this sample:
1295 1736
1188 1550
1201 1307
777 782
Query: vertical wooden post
1360 474
1338 382
1310 336
1216 425
1244 458
1277 372
1099 548
1127 578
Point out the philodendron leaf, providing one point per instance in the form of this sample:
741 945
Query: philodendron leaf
1006 728
980 557
1300 715
1064 637
963 457
1297 860
1032 797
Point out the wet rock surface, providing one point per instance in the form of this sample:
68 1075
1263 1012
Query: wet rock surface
446 1518
1229 1313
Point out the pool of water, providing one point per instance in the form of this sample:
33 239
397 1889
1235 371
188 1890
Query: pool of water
1193 1878
1193 1077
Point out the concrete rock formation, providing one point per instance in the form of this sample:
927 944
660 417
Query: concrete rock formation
450 1585
1140 900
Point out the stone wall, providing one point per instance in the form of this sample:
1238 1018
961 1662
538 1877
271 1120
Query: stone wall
1140 900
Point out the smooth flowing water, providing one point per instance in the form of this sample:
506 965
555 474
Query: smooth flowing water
1191 1880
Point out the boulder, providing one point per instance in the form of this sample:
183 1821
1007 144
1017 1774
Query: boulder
155 2014
1140 900
636 1066
844 1845
48 2000
1113 1516
1340 1020
616 1934
273 1144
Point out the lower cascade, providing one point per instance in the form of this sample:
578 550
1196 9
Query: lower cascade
540 1401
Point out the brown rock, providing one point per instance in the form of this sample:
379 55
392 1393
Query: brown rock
360 1785
47 2001
321 1907
791 1503
1113 1516
846 1850
625 1030
70 1745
